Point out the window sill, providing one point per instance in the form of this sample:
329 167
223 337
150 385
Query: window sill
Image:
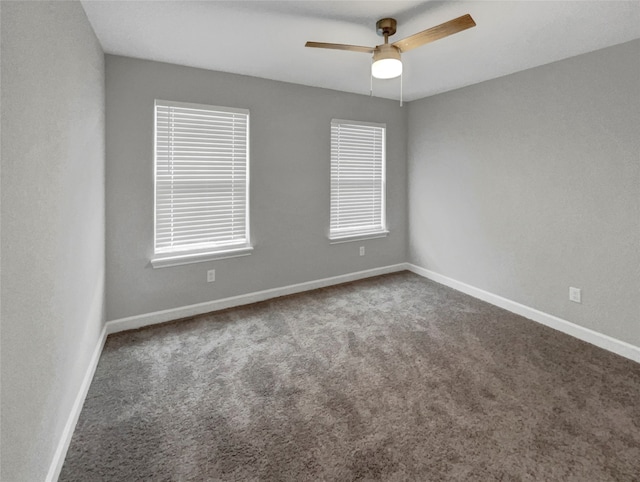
358 237
189 258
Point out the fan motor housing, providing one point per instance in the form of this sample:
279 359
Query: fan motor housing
386 26
386 51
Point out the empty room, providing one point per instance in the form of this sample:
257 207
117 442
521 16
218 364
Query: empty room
319 240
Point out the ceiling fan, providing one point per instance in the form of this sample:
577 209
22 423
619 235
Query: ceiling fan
386 57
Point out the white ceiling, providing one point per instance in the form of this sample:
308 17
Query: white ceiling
266 38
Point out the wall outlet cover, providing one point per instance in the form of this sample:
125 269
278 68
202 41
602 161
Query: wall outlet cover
575 294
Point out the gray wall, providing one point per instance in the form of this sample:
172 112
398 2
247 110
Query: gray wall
290 141
52 211
528 184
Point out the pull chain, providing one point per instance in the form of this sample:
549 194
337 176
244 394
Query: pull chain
371 74
400 90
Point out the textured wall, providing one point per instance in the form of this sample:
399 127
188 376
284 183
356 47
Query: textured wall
528 184
290 142
52 272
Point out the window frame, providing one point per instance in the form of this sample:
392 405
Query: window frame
357 235
161 259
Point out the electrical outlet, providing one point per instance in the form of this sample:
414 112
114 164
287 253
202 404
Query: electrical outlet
575 294
211 275
361 250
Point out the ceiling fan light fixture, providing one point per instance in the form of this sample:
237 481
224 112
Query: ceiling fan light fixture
386 62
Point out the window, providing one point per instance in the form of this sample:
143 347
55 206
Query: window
201 183
357 180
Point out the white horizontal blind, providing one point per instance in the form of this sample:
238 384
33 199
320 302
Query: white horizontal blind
357 178
201 178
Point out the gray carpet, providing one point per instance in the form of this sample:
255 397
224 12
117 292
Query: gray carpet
390 378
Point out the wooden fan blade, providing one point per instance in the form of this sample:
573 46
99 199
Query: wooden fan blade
352 48
435 33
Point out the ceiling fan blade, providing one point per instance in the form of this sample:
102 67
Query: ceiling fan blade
352 48
435 33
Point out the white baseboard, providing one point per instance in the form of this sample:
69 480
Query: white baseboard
139 321
614 345
70 426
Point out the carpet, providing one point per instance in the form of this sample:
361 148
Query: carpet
389 378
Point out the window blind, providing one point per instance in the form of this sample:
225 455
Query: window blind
357 179
201 178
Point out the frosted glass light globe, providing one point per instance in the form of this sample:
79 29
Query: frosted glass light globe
386 68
